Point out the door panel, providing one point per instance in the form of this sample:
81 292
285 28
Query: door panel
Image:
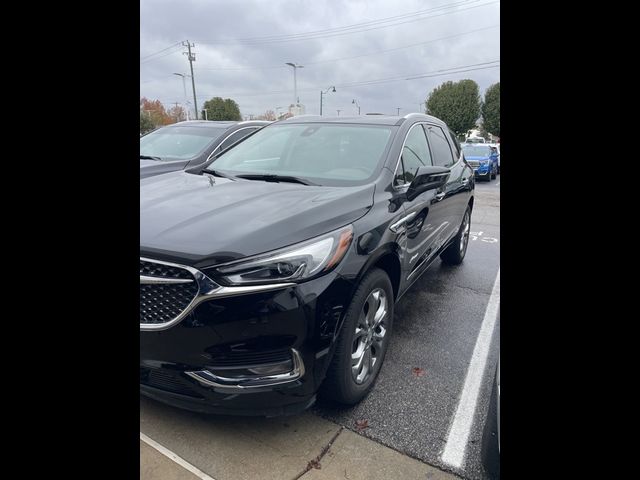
453 195
425 226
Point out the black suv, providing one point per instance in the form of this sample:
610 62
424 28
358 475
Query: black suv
189 144
272 273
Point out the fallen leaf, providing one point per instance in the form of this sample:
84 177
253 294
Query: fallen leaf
418 372
362 424
314 464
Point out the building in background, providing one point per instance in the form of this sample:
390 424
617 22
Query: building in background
297 109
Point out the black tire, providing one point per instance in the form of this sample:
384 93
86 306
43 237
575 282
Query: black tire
340 384
494 174
454 253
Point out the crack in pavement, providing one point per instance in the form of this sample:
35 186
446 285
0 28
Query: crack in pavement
315 462
474 290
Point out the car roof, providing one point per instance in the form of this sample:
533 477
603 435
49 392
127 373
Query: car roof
217 123
363 119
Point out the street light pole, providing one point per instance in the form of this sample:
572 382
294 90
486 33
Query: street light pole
295 66
356 104
332 88
184 90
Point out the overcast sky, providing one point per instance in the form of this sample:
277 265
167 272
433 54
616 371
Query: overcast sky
241 48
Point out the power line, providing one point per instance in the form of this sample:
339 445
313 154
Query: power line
435 73
352 26
357 56
314 35
158 57
159 51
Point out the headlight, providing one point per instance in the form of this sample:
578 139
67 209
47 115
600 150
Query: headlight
291 264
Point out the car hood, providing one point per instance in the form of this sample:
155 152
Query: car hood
149 168
202 220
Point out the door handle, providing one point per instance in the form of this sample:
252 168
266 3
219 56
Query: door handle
395 228
464 182
440 196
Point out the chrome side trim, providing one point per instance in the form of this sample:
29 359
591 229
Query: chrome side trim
395 227
217 149
145 280
207 378
207 290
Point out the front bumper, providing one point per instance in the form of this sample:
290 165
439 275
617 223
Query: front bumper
482 171
207 362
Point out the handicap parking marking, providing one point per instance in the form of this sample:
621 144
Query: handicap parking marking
473 236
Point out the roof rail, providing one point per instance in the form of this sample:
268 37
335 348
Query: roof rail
414 114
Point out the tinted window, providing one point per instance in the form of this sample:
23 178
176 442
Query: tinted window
455 143
171 143
440 146
235 137
415 153
327 154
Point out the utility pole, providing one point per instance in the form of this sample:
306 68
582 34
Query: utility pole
192 58
398 109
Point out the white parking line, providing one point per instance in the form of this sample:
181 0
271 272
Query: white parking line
454 449
179 460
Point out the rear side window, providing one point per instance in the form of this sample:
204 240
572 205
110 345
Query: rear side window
455 143
415 154
442 155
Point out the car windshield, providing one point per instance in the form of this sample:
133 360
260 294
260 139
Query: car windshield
477 151
325 154
178 143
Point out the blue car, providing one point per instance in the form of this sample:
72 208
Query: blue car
482 158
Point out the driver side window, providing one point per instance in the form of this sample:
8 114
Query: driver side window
415 154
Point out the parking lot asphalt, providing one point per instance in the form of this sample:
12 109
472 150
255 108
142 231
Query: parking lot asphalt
409 412
435 329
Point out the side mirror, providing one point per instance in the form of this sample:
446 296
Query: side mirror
428 178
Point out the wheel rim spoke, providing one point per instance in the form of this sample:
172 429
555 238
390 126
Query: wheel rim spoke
369 336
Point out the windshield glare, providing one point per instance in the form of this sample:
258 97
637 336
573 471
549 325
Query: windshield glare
476 151
178 143
326 154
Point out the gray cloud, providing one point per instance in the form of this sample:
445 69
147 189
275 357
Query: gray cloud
226 68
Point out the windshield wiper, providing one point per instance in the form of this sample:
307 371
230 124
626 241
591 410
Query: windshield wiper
217 173
269 177
149 157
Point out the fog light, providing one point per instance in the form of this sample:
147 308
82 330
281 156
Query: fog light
274 369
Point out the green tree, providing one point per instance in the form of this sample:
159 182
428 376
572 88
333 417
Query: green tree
457 104
222 109
146 124
491 109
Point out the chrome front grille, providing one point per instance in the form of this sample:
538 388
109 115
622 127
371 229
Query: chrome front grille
166 291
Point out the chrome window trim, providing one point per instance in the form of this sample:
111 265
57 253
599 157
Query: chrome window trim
257 127
209 379
207 290
395 171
